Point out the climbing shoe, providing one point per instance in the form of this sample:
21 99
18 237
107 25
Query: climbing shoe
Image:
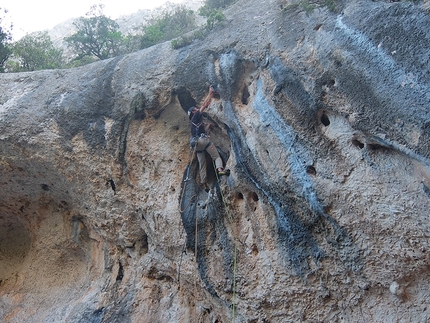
225 172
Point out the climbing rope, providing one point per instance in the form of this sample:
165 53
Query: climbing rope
235 249
186 180
196 240
182 210
196 269
180 265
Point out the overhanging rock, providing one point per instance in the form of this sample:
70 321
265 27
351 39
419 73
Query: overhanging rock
323 121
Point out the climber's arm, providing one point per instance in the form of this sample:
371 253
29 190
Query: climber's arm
207 100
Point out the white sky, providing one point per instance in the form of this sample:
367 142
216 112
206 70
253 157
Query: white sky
36 15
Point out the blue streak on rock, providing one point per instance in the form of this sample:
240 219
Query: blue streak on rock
286 135
294 237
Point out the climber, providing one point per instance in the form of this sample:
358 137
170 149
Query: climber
201 139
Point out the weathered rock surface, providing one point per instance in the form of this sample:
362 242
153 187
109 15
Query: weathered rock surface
324 122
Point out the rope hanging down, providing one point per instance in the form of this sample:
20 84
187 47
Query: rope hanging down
196 268
195 236
196 241
186 180
235 249
182 210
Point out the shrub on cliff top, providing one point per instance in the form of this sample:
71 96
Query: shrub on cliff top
5 38
169 25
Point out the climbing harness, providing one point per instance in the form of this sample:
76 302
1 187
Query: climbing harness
202 151
197 126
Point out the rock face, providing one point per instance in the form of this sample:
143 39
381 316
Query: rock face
323 120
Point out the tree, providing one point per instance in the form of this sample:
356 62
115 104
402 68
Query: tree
5 39
35 52
169 25
97 35
213 16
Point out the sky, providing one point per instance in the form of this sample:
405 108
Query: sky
28 16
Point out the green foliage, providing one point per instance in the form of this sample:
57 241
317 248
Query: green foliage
330 4
214 16
130 44
216 4
97 35
76 62
169 25
310 5
154 34
307 6
187 39
35 52
5 39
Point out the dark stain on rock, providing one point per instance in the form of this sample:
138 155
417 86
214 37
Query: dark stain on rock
84 111
137 111
120 274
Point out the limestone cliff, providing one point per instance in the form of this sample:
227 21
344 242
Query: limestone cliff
323 120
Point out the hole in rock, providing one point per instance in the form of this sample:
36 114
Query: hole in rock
120 272
317 27
245 95
15 242
144 243
185 98
239 196
110 183
311 170
327 208
325 120
45 187
331 82
254 196
357 143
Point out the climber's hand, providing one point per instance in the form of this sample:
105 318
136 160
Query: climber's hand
211 90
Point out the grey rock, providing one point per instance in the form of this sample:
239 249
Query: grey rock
322 119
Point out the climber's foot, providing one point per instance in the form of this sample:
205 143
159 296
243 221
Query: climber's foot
225 172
